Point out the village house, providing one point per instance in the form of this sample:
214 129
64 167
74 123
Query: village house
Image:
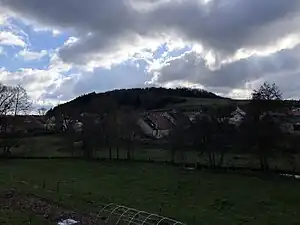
192 115
294 112
290 121
50 124
237 116
155 125
158 124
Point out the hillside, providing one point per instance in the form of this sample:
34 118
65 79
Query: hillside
142 99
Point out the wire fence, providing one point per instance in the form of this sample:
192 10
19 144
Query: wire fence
115 214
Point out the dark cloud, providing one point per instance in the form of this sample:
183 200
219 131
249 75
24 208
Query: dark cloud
227 25
221 25
280 67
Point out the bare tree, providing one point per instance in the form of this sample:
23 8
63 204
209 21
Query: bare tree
22 103
13 102
178 139
211 136
98 128
203 131
267 92
261 129
110 129
42 111
92 135
127 122
7 98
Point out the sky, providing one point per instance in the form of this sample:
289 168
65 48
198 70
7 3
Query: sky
60 49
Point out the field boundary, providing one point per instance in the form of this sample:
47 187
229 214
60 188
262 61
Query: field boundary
187 166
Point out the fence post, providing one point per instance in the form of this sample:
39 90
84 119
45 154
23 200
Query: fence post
73 188
194 220
57 186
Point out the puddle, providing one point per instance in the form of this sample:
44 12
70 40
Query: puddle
296 176
67 222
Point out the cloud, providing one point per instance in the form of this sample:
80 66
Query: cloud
39 28
37 82
11 39
60 82
99 80
3 16
228 25
227 46
2 19
31 55
191 67
220 26
33 80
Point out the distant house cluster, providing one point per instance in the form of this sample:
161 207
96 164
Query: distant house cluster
50 124
22 124
158 124
290 120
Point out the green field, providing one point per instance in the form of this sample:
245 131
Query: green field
54 146
195 197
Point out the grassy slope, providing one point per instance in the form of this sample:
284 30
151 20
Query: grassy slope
191 103
204 101
194 197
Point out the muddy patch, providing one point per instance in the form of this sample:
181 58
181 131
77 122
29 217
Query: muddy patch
49 210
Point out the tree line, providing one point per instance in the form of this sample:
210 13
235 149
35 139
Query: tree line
211 135
261 132
103 124
100 126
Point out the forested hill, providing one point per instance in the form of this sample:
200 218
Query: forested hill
138 98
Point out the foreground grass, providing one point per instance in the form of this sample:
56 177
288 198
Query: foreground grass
12 217
195 197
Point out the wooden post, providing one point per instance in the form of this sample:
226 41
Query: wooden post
57 186
194 220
